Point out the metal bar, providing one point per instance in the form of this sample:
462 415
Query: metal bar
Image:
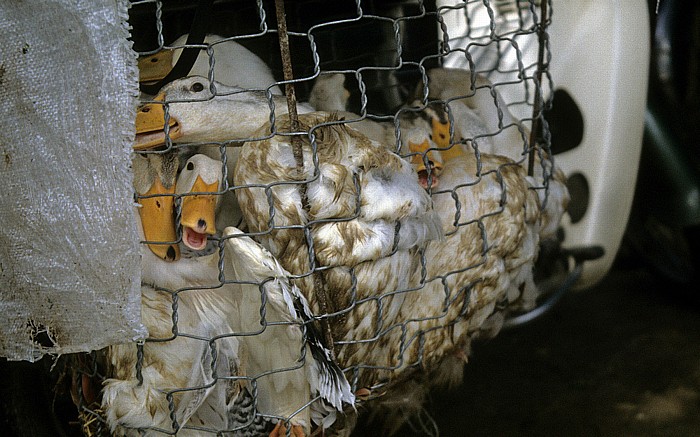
537 108
289 87
319 286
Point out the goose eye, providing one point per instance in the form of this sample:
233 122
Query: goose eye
197 87
190 166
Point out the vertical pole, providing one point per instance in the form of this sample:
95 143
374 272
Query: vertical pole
538 104
319 285
288 76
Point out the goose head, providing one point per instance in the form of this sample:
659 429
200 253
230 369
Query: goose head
426 159
435 118
154 182
329 93
200 110
199 182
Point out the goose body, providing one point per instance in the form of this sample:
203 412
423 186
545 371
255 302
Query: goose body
382 219
181 365
481 118
285 357
492 219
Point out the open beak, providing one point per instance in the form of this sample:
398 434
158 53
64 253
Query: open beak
426 179
198 214
417 159
158 221
441 136
150 123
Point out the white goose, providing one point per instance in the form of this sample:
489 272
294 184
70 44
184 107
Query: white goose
205 112
154 177
198 115
285 361
491 218
490 213
478 115
368 219
287 375
234 64
182 366
211 315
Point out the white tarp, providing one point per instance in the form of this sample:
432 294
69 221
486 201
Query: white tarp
69 257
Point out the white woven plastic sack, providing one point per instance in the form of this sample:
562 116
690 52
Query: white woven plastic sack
69 258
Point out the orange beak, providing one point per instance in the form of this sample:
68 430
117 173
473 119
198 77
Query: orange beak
427 179
155 67
158 221
419 162
150 125
441 136
199 210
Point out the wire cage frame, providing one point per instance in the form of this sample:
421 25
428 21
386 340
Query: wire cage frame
399 315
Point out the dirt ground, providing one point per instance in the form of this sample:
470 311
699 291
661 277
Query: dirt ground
619 359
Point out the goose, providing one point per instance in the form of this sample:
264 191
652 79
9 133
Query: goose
234 65
287 375
179 361
204 112
482 269
478 114
154 183
489 211
367 219
198 213
284 357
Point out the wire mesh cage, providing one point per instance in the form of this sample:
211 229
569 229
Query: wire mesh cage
330 253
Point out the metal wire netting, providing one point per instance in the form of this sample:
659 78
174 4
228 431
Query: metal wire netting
394 319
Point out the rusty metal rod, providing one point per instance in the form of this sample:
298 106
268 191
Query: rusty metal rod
319 285
289 76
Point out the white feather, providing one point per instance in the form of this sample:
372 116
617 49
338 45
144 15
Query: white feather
286 380
234 64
